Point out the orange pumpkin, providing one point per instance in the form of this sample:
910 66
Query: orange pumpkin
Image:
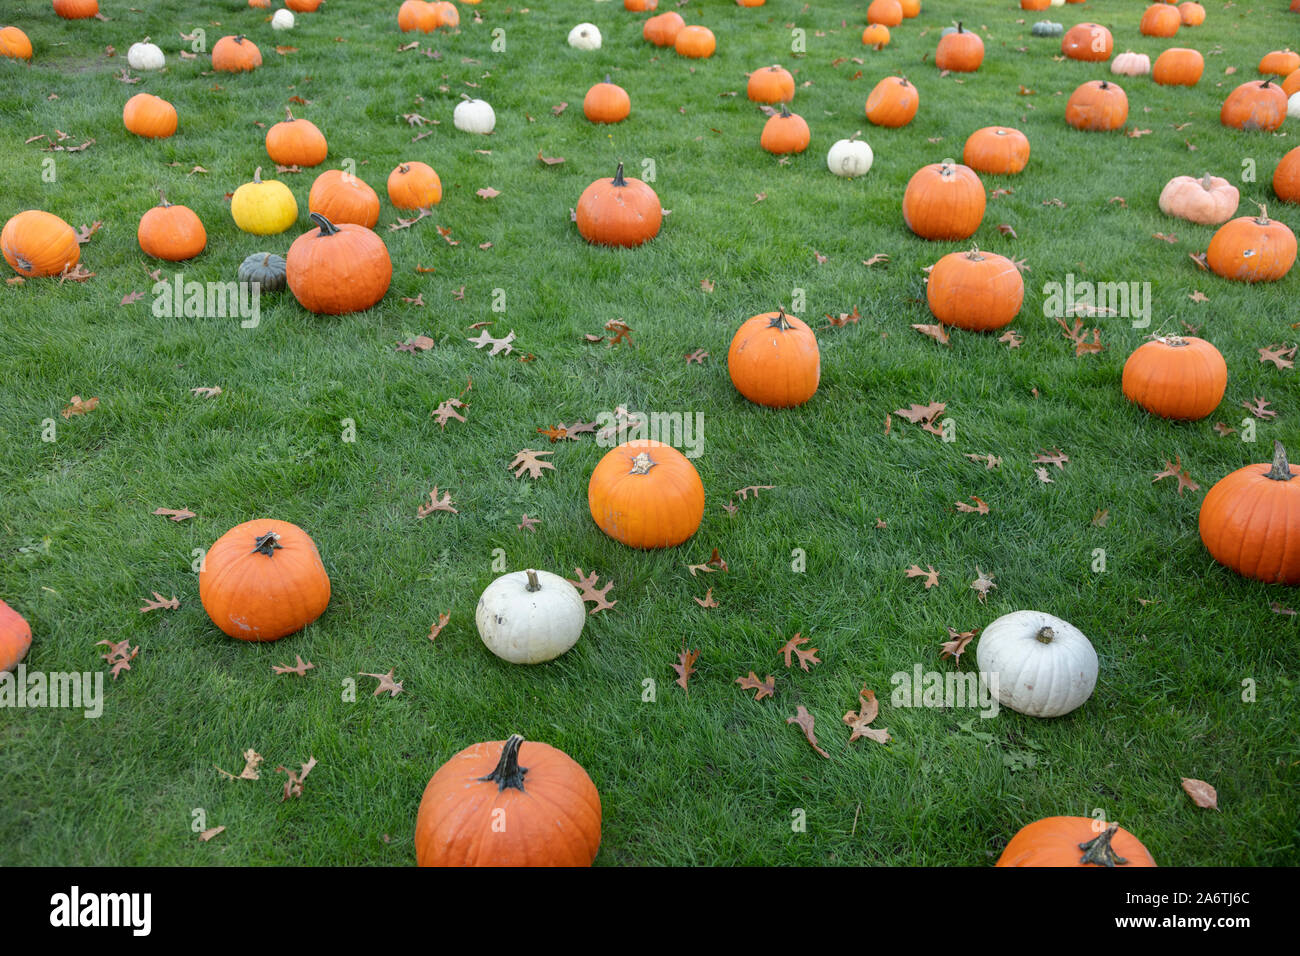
772 84
76 9
750 3
508 803
1286 178
414 185
1178 377
1074 841
911 8
960 52
662 30
263 580
235 54
170 232
344 198
260 4
1178 66
785 132
618 212
978 291
774 360
646 494
607 103
302 6
1035 5
1090 42
1254 105
640 6
1097 105
1279 63
1160 20
1252 249
415 15
446 13
893 102
697 43
886 12
1192 14
1291 84
15 637
15 44
997 150
1250 521
296 142
944 201
338 269
39 243
149 116
876 35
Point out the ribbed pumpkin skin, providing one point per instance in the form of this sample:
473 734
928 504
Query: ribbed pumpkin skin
1286 178
15 637
1251 523
173 233
1097 106
255 597
606 103
339 271
944 201
977 291
149 116
1087 41
658 509
553 821
785 133
263 207
1178 66
1182 378
15 44
1252 249
233 54
414 185
37 243
997 150
1054 841
619 212
342 197
772 84
778 365
296 142
892 102
1160 20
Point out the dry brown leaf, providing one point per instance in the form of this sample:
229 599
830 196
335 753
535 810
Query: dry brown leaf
685 667
806 656
497 345
868 708
386 683
530 461
252 759
805 721
301 668
1202 794
207 835
436 504
930 574
160 603
764 688
175 514
956 643
436 629
982 584
1280 356
979 507
934 331
1175 470
707 601
586 585
293 786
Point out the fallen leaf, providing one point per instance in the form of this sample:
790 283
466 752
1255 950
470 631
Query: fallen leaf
252 759
559 108
1202 794
207 835
301 668
930 574
386 683
1280 356
498 345
530 461
421 343
206 391
698 357
1224 429
293 786
436 504
1101 518
857 720
805 721
744 493
586 585
175 514
549 160
990 461
85 232
446 411
1006 230
978 508
806 656
935 331
982 584
1054 457
1175 470
487 192
1259 408
707 601
956 643
436 629
1198 296
685 667
876 260
1163 238
764 688
160 603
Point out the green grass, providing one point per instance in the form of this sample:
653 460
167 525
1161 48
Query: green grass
711 778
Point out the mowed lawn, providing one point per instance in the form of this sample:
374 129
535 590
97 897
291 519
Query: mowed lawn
709 776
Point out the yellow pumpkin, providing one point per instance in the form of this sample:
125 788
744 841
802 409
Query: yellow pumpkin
263 208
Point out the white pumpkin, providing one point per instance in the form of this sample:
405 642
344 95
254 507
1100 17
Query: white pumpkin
1293 105
585 36
145 56
1044 666
282 20
849 157
527 617
1129 63
1058 3
474 116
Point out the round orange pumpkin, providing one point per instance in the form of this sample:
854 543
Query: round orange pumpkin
342 197
414 185
263 580
302 6
960 51
785 132
1254 105
607 103
1250 520
618 212
876 35
978 291
1087 41
1279 63
774 360
15 44
149 116
886 12
646 494
1252 249
1178 377
76 9
235 54
772 84
1178 66
696 43
37 243
1098 105
1074 841
893 102
1286 177
296 142
508 803
1160 20
171 232
334 270
662 30
1191 13
997 150
944 201
15 637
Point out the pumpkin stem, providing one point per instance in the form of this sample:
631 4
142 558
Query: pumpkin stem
959 29
642 464
618 176
257 175
327 228
1263 214
785 112
267 544
974 255
508 773
607 79
1098 850
404 168
288 115
1281 470
162 199
533 583
1045 635
779 321
1205 182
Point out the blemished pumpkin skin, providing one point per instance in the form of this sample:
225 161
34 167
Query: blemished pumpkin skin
1178 66
885 12
978 291
37 243
343 197
263 580
1097 106
263 208
772 84
296 142
1074 841
447 14
784 133
1208 200
1254 105
1192 14
15 637
550 808
414 185
944 201
662 30
695 42
337 269
774 360
1279 63
876 35
149 116
1252 249
235 54
1160 20
606 102
76 9
646 494
15 44
1286 178
1250 520
893 102
960 52
170 232
996 150
1177 377
1090 42
618 212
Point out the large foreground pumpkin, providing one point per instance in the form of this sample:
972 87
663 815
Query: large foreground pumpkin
1178 376
618 212
944 201
1250 520
37 243
334 270
508 803
774 360
646 494
263 580
1074 841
